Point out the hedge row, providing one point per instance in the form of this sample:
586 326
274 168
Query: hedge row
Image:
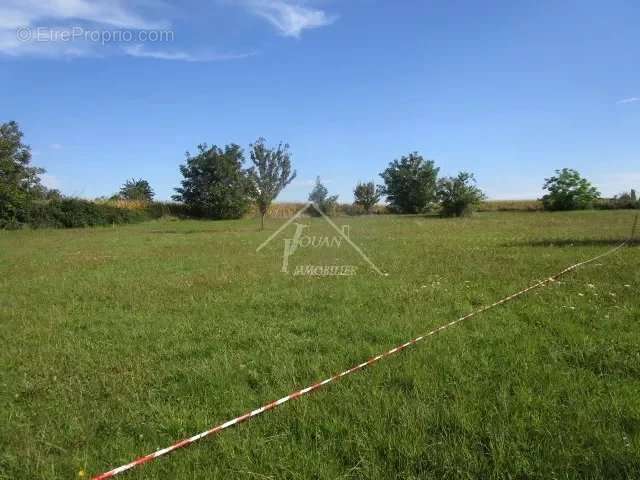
78 213
616 204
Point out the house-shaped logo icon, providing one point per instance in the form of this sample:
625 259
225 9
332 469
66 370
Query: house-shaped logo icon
300 240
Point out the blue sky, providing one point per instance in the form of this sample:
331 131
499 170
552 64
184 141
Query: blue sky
507 90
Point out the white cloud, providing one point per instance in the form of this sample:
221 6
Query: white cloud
36 27
20 13
290 17
32 27
140 50
628 100
55 146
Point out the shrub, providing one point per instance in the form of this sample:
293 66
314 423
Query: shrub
458 195
568 190
410 184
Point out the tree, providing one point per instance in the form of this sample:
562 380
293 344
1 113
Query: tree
458 195
19 182
271 172
137 190
568 191
320 197
215 185
366 195
410 183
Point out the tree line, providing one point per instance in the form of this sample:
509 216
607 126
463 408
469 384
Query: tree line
216 184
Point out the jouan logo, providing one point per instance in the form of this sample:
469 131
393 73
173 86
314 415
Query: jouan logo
303 239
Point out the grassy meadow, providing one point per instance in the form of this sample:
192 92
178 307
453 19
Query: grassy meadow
119 341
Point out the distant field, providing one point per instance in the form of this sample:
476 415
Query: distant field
118 341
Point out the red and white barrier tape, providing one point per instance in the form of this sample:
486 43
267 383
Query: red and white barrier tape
315 386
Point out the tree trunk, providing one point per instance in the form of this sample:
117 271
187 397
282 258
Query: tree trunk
262 221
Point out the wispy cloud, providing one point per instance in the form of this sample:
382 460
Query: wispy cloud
20 13
290 17
34 27
79 28
55 146
141 51
628 100
91 28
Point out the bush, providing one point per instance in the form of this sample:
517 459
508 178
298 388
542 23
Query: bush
458 195
410 184
215 185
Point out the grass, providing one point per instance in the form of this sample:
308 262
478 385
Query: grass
119 341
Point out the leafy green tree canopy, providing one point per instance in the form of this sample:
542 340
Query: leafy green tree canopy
270 173
215 185
366 195
458 195
410 184
19 181
137 189
568 190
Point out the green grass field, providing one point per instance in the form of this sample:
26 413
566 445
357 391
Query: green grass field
119 341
